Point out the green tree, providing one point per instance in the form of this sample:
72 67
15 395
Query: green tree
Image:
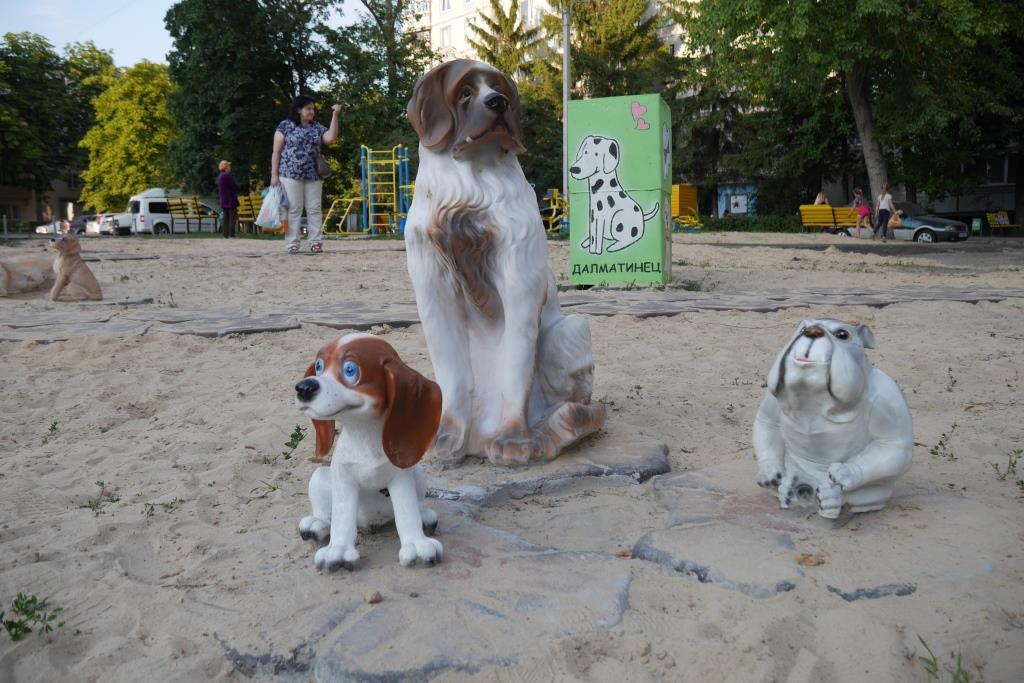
503 40
378 63
905 70
88 72
33 142
128 144
236 65
615 47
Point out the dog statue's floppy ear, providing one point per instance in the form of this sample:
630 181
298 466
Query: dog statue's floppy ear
413 414
867 338
847 374
428 110
324 429
777 372
513 121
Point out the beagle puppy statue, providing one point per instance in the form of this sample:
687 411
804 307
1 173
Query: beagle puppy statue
832 430
389 414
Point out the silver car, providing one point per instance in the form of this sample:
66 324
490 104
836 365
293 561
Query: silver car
918 226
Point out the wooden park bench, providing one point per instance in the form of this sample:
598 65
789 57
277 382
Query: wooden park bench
188 209
831 218
248 209
999 219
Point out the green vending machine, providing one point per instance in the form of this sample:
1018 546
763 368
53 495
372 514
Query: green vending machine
620 189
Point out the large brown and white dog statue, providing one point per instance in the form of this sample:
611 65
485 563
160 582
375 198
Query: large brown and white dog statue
75 282
388 415
832 430
516 375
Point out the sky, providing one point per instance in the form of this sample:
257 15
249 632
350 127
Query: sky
132 29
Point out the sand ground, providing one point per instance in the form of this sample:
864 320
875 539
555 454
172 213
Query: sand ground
187 432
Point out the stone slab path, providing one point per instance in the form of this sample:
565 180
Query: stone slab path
353 315
711 528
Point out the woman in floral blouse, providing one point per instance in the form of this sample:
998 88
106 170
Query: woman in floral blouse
296 147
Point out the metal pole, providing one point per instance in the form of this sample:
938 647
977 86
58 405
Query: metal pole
566 79
5 227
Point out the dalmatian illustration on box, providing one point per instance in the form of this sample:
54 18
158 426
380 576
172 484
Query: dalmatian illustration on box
832 430
616 220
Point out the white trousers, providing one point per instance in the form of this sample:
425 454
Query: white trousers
303 194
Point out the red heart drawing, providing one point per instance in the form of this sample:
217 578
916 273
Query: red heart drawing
641 124
637 110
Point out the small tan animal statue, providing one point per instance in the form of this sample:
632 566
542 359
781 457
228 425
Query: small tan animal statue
75 282
389 415
25 273
832 430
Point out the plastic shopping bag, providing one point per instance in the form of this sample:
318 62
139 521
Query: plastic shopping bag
274 209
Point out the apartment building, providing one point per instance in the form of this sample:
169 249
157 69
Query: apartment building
447 22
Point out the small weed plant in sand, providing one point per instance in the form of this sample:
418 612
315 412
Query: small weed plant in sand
149 509
96 504
942 449
937 672
30 614
1010 469
952 380
263 490
51 432
298 434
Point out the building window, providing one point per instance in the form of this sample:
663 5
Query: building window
446 36
997 170
526 13
446 5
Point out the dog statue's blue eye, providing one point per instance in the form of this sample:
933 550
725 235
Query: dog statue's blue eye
350 371
319 367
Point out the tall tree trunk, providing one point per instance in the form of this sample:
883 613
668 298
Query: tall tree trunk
857 90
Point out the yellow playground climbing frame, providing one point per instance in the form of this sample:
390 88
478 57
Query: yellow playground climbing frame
385 194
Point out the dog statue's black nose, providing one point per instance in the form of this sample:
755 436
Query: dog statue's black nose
307 388
497 102
574 169
813 331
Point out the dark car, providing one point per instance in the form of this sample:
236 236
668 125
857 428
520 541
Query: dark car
77 225
921 226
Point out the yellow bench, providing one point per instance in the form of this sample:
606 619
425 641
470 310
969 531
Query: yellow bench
828 217
249 206
999 219
187 209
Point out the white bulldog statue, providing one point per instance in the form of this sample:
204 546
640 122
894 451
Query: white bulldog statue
832 430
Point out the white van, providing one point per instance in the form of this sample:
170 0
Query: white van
150 213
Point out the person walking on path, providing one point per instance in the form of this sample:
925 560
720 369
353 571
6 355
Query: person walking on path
863 208
227 188
886 209
293 165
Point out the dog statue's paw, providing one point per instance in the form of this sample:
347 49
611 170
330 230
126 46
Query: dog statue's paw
429 518
512 448
787 490
426 550
769 475
314 528
334 557
846 477
449 447
830 501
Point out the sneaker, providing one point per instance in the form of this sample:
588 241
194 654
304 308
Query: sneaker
293 249
316 248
